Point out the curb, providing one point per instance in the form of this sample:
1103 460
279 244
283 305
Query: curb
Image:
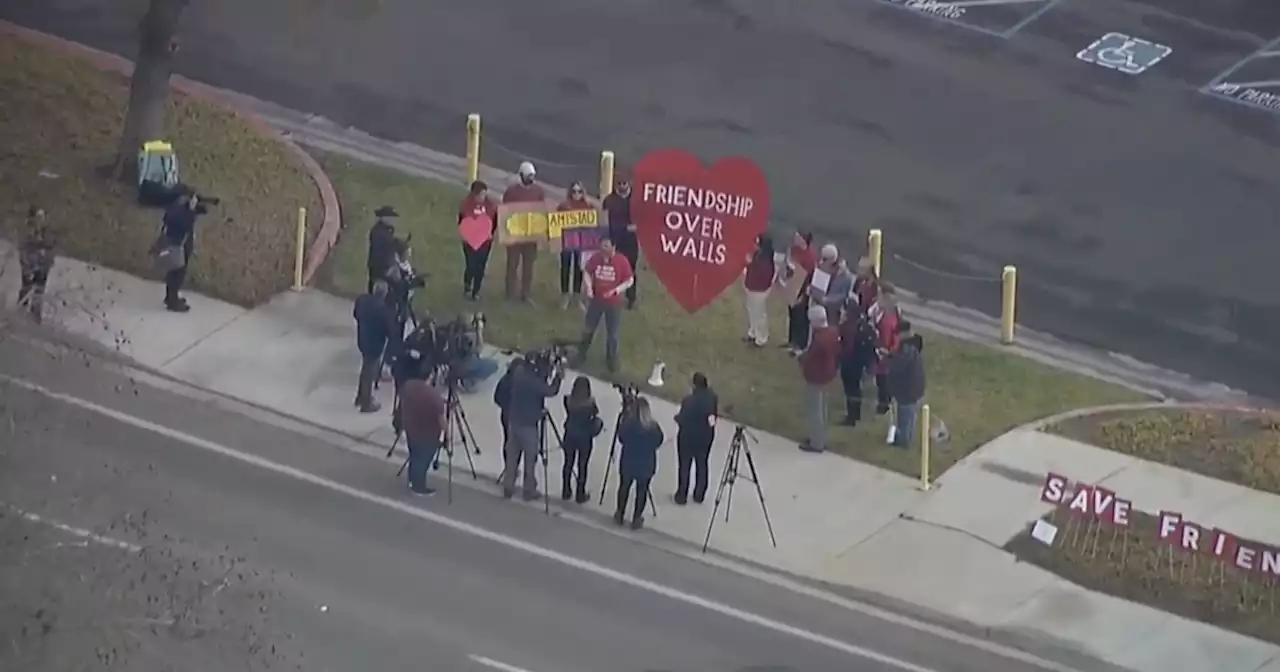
332 219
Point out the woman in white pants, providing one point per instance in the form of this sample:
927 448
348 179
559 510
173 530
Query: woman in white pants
761 275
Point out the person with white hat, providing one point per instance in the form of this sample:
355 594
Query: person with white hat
819 364
521 256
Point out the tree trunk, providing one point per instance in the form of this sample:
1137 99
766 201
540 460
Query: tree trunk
149 87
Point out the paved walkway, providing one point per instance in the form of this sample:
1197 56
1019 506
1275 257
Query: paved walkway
837 520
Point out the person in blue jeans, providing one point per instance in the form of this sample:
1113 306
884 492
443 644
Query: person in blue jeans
906 380
640 437
423 418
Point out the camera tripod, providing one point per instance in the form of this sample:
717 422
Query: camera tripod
613 451
544 452
737 448
457 428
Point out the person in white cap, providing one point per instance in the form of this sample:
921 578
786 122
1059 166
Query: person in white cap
819 364
521 256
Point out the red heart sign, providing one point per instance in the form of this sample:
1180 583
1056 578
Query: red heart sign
697 225
475 230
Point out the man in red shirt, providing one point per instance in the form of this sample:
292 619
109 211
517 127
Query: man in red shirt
521 256
423 417
477 204
884 315
606 276
819 364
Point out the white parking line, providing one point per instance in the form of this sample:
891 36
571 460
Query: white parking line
80 532
497 665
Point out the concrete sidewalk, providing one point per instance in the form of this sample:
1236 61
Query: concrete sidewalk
837 520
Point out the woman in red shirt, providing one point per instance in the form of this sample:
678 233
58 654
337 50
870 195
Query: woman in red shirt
477 204
758 279
801 261
571 260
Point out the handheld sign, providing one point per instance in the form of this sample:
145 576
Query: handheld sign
475 230
697 225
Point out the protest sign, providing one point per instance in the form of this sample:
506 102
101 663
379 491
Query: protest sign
522 223
576 230
697 225
475 230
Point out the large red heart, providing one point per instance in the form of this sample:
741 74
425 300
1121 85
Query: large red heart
476 230
697 225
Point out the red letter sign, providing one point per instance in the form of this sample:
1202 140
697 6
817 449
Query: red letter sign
697 225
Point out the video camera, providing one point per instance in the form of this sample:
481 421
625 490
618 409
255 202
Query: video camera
432 349
630 393
550 361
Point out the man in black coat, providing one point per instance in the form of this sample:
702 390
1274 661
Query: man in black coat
906 379
696 421
622 231
179 230
382 245
374 324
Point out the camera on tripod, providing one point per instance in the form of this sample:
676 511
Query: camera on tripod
549 362
630 393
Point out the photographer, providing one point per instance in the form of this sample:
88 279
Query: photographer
640 437
374 323
582 424
696 421
468 364
530 389
178 232
382 239
423 415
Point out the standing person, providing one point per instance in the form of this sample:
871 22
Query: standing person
522 256
622 231
757 281
582 424
839 284
374 323
640 437
423 414
866 285
801 261
571 260
477 204
884 317
819 365
857 353
382 239
529 392
35 262
907 384
502 399
179 229
696 423
606 276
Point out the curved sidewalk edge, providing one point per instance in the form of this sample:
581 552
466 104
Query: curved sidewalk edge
331 224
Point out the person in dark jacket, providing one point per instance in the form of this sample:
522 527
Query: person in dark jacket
525 407
857 354
423 412
502 399
374 323
382 248
179 229
622 231
696 422
35 262
906 379
640 437
582 424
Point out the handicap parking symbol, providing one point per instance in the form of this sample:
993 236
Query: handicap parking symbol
1130 55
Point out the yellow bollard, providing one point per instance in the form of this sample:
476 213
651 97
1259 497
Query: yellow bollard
1008 303
924 424
300 254
473 148
875 248
606 174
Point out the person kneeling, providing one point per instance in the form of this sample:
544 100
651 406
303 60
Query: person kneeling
423 415
640 437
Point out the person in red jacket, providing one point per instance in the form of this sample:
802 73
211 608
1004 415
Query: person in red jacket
866 285
884 316
757 281
477 204
819 364
606 277
522 256
571 260
801 261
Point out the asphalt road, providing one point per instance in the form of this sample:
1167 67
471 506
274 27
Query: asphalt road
1139 210
407 582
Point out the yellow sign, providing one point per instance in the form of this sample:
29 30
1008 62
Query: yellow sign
527 224
558 222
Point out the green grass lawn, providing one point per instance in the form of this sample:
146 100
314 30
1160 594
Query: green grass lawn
978 391
60 118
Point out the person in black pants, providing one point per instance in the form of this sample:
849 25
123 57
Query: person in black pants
374 323
502 399
582 424
35 262
857 353
179 231
697 431
382 249
475 260
640 437
622 231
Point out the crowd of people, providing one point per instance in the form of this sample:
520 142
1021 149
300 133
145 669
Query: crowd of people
844 327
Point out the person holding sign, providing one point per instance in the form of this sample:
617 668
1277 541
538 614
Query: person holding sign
521 256
477 240
801 261
571 260
622 230
606 277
